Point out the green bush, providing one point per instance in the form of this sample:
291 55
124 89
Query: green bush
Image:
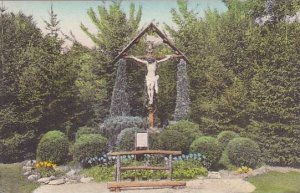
209 147
225 162
145 174
114 125
126 139
18 147
86 130
89 146
178 136
53 147
243 152
225 136
188 169
279 143
100 173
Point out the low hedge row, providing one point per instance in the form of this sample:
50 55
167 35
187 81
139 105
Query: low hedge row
228 149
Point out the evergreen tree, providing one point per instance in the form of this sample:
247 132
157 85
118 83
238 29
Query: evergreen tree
90 82
52 26
275 94
115 30
17 136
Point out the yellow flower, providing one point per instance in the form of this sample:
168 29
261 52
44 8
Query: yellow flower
239 170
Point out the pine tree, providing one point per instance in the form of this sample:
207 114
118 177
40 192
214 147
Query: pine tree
115 30
52 26
17 136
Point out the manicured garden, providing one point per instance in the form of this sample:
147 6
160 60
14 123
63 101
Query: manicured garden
91 146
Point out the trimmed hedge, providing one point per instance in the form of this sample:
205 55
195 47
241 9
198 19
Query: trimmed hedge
225 136
89 146
209 147
114 125
243 152
126 139
53 147
178 136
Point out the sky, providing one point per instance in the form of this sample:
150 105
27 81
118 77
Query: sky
72 13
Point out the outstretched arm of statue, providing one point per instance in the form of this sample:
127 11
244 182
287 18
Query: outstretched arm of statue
164 59
137 59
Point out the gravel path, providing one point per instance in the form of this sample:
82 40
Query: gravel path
194 186
228 183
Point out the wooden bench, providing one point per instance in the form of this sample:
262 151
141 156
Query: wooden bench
116 186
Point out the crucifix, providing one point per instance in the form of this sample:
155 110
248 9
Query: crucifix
152 65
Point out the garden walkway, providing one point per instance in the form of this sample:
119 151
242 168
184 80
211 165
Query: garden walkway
228 183
194 186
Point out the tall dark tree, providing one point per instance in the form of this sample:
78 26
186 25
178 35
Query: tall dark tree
18 32
115 30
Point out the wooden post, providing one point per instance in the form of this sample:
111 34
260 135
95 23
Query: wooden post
151 116
170 166
118 176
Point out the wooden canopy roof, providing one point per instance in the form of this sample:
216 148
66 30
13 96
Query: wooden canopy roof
151 26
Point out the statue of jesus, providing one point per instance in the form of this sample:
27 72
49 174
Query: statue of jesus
151 78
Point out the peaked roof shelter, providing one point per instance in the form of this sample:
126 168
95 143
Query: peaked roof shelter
151 26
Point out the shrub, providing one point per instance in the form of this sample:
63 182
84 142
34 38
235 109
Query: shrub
144 174
86 130
225 162
100 173
243 152
178 136
18 147
126 139
188 169
114 125
209 147
53 147
225 136
279 143
89 146
186 127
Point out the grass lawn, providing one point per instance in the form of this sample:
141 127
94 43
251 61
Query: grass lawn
275 182
13 181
